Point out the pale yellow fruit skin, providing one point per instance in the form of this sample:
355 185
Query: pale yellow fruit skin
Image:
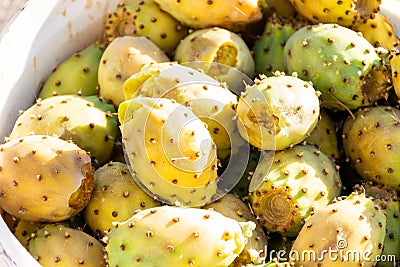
123 57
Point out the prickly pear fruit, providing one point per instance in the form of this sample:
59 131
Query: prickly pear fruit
301 180
371 144
233 207
282 8
78 74
276 263
25 230
394 60
324 135
344 12
216 45
86 120
57 245
170 152
339 62
145 18
115 198
353 230
123 57
277 112
44 178
176 236
378 30
229 14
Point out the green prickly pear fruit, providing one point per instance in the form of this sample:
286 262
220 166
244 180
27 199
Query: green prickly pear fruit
216 45
44 178
229 14
344 12
123 57
394 60
145 18
78 74
115 198
324 135
25 230
87 121
300 181
371 144
268 48
277 112
233 207
58 245
176 236
378 30
353 230
340 63
170 152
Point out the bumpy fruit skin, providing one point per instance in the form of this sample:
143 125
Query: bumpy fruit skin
216 45
371 143
324 135
339 62
282 8
170 151
203 95
378 30
233 207
115 198
145 18
87 121
57 245
394 60
352 228
268 48
344 12
277 112
25 230
230 14
78 74
123 57
301 180
175 236
44 178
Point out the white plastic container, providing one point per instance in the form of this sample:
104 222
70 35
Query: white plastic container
43 34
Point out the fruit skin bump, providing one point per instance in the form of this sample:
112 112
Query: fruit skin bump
340 63
371 144
277 112
58 245
228 14
353 227
301 181
145 18
170 151
44 178
176 236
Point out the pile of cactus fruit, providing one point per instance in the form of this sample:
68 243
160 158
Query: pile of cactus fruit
236 133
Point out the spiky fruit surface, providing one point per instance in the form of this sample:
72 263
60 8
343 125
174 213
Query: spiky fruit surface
282 8
115 198
277 112
233 207
203 95
25 230
230 14
44 178
123 57
78 74
216 45
371 143
339 62
268 48
170 151
353 228
394 60
324 135
175 236
145 18
87 121
57 245
343 12
378 30
301 180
